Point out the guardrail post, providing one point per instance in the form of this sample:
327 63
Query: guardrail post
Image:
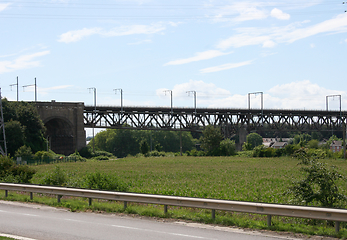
269 220
31 196
337 226
90 201
165 209
125 205
59 197
6 193
213 214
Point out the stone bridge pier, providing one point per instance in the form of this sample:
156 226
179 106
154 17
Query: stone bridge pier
64 124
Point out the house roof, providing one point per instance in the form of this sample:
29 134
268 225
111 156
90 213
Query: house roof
336 144
279 144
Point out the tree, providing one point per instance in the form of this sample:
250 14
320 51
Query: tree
144 147
15 136
253 140
23 117
210 140
227 147
319 184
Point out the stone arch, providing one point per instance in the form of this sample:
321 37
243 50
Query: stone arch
60 134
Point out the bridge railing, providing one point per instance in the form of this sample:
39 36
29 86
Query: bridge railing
337 215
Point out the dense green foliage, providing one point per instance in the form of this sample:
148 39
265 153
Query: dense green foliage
11 172
320 183
213 144
124 142
253 140
23 126
210 139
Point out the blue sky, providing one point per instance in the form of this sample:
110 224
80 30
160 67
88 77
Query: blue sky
293 51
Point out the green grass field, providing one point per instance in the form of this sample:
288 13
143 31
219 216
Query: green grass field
231 178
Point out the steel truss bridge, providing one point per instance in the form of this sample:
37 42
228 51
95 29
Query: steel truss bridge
229 120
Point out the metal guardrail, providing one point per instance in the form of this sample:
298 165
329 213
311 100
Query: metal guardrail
332 214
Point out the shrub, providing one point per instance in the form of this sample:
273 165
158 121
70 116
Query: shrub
57 177
195 153
319 185
44 155
156 154
77 157
102 153
100 158
227 148
11 172
86 152
24 152
261 151
104 181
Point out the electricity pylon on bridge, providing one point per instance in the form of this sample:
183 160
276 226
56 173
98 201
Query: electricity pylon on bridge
3 148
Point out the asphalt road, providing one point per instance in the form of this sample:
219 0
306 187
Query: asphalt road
47 223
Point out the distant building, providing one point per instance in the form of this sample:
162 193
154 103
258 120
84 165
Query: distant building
336 146
269 142
279 145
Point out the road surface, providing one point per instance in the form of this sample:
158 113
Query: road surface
48 223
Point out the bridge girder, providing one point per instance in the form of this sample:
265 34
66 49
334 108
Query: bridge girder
230 120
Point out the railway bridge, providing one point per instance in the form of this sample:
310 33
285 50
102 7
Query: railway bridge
65 122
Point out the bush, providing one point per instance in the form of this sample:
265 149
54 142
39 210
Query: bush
24 152
195 153
44 155
227 148
77 156
101 158
86 152
104 181
156 154
261 151
57 177
11 172
319 185
102 153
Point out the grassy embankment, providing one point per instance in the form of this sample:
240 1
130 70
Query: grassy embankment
231 178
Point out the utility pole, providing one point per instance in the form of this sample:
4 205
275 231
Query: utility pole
35 85
327 107
261 102
170 101
343 123
3 151
16 84
121 98
194 92
94 115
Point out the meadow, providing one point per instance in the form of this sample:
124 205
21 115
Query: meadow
230 178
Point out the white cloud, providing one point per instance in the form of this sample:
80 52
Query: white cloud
45 91
77 35
3 6
277 13
141 42
244 11
302 95
334 25
22 62
249 36
270 37
203 90
225 67
198 57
